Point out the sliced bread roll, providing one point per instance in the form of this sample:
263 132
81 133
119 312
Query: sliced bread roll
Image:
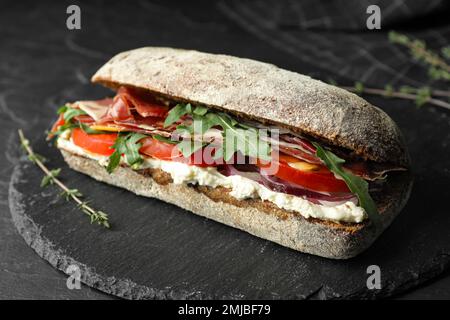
264 93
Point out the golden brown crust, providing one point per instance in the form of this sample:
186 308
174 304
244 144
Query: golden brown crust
264 92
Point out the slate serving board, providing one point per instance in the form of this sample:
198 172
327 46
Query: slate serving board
156 250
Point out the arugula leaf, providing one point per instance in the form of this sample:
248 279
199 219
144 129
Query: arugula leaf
63 128
201 124
88 129
164 139
70 113
62 109
200 111
183 129
175 114
244 140
128 145
114 160
357 185
71 125
237 136
132 147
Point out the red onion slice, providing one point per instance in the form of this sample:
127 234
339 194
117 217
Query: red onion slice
278 185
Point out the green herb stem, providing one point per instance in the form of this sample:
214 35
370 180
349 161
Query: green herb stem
95 215
402 95
419 50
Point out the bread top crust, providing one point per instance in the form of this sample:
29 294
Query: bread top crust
262 92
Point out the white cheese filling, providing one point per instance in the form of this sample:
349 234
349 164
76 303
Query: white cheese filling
241 187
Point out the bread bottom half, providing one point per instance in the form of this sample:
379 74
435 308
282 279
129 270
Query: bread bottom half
314 236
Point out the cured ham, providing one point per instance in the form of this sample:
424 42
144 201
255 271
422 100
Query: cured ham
133 110
97 109
142 103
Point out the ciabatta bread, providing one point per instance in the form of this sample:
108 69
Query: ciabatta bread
319 237
261 92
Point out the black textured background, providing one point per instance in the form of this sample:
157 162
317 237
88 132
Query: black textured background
42 64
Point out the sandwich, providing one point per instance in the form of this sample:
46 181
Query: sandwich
272 152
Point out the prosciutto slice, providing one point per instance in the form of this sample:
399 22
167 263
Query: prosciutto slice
119 111
143 103
97 109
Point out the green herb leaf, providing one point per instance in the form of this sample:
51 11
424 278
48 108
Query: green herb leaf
399 38
70 193
200 111
132 147
48 179
164 139
244 140
446 52
35 157
356 184
62 109
241 137
88 129
51 178
114 161
332 82
359 87
388 90
70 113
439 69
407 89
422 96
100 218
63 128
129 146
201 124
183 130
175 114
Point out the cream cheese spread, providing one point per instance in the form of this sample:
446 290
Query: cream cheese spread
241 187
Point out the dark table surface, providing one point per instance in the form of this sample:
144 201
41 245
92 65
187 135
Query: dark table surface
42 64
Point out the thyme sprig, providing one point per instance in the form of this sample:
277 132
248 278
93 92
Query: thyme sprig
438 69
51 177
420 95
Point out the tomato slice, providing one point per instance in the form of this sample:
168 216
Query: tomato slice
166 151
311 176
95 143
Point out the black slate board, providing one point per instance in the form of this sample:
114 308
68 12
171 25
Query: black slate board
156 250
45 64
